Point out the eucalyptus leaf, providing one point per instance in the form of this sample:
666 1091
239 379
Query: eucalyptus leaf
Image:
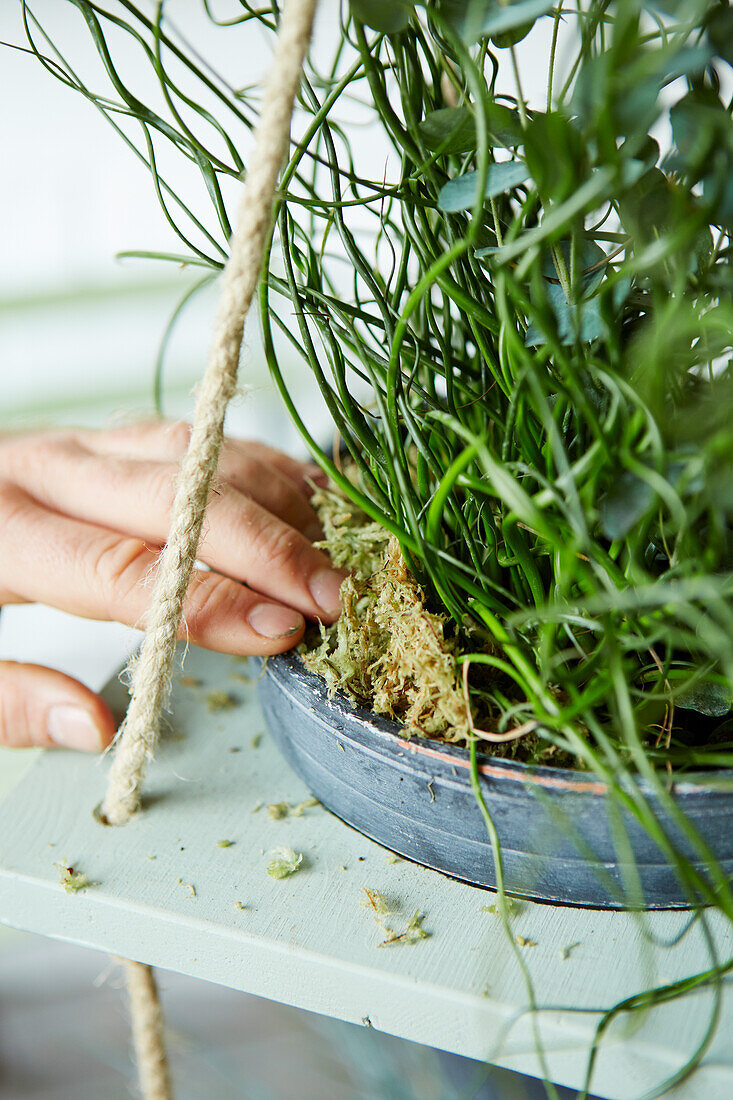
387 16
453 129
717 189
450 130
720 33
712 700
556 154
628 501
579 319
700 126
504 126
460 193
490 18
575 321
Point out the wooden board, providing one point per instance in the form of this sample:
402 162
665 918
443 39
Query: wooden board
167 893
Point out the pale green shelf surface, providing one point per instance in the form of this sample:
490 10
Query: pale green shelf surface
307 940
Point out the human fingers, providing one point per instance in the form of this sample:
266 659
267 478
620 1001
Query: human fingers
54 466
44 708
240 460
241 539
88 570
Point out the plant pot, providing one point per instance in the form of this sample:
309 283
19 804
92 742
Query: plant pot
557 827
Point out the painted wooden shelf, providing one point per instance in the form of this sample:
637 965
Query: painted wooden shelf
167 892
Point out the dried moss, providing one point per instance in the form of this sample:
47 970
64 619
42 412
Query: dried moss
390 652
73 881
381 908
285 862
387 650
220 700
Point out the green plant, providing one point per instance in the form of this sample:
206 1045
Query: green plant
527 352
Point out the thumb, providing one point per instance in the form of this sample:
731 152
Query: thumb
42 707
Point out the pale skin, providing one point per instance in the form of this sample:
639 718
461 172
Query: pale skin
83 516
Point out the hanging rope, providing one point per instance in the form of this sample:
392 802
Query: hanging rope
146 1017
150 673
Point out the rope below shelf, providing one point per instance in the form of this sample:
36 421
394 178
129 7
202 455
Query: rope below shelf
151 670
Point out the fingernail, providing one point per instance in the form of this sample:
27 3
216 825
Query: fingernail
325 586
271 621
73 728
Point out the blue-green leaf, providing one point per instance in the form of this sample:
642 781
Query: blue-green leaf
580 319
720 34
500 18
713 700
387 16
460 193
451 130
625 504
575 321
478 18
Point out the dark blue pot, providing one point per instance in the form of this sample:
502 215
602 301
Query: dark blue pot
560 832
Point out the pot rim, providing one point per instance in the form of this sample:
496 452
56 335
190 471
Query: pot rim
567 779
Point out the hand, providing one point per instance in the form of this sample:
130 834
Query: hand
83 516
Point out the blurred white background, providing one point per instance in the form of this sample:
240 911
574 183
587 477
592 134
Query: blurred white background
79 330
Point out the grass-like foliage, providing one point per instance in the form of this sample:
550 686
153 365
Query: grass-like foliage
522 329
526 351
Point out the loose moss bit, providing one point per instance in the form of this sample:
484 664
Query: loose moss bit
285 862
189 886
239 905
564 952
276 810
256 741
220 700
430 788
513 907
381 907
73 881
392 858
242 677
224 843
412 934
151 857
256 808
344 867
376 901
521 941
306 804
339 746
190 682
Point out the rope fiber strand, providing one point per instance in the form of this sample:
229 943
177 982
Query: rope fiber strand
150 672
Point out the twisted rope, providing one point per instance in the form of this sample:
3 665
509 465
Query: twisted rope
150 673
147 1031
